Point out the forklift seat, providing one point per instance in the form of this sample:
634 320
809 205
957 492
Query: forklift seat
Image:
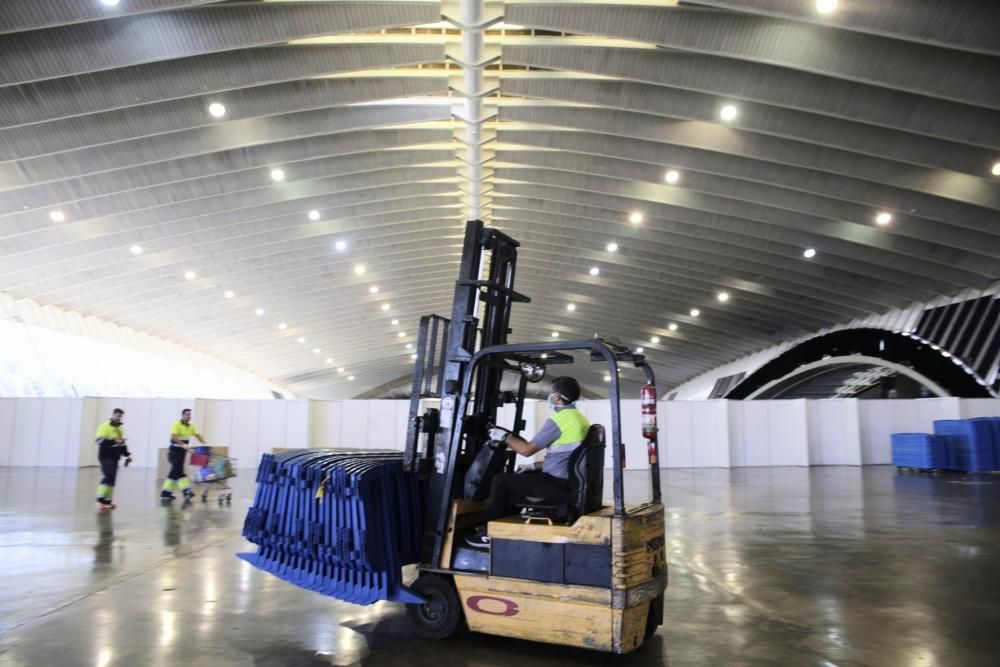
585 487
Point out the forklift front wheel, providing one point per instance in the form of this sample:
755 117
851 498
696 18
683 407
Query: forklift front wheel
441 616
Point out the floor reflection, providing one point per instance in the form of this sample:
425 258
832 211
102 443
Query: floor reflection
769 566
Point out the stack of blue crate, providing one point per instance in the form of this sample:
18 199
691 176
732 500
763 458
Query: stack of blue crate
923 451
970 443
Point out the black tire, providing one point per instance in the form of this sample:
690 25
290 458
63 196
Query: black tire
655 617
441 616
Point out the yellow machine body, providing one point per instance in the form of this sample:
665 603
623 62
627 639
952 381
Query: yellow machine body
616 617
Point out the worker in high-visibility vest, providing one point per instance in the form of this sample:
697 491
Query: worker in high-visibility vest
180 436
564 430
111 447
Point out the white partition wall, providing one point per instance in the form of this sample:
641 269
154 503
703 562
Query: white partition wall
367 424
768 433
834 432
694 434
40 431
979 407
59 432
251 428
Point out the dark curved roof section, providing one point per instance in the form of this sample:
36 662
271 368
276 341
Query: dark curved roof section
924 357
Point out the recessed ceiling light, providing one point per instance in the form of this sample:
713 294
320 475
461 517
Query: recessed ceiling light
809 253
555 334
723 296
329 360
672 326
136 250
340 369
109 3
282 326
385 306
695 312
359 269
277 175
229 294
672 176
883 218
635 217
314 215
395 323
607 378
350 378
638 350
409 346
825 6
217 110
654 340
401 334
595 271
728 112
413 356
300 339
612 247
996 169
259 312
545 355
57 216
190 275
373 289
570 306
316 350
340 245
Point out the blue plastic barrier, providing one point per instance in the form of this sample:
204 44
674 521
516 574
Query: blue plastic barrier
970 442
338 522
919 450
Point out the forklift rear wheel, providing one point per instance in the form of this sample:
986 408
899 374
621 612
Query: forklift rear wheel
441 616
655 617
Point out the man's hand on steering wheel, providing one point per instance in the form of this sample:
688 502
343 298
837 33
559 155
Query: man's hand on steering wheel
498 434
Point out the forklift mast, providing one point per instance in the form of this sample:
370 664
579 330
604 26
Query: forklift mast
480 318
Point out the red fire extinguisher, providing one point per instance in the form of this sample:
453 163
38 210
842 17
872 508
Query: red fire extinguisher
649 428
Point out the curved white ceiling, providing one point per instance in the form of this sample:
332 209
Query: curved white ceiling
888 107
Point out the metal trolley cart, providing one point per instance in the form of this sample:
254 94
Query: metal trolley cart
212 470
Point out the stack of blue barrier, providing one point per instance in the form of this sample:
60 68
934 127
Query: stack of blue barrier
970 443
919 450
338 522
994 423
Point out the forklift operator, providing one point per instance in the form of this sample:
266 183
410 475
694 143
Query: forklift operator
561 433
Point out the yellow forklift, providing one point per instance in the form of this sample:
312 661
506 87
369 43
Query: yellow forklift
568 569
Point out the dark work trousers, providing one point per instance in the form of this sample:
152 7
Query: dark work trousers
507 488
176 457
109 466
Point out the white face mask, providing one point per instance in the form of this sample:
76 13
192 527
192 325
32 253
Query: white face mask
551 403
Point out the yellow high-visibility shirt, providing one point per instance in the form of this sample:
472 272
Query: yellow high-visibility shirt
108 432
183 431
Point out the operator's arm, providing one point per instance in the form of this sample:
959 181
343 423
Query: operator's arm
522 446
548 434
200 439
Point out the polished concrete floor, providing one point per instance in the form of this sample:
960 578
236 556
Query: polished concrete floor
769 566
